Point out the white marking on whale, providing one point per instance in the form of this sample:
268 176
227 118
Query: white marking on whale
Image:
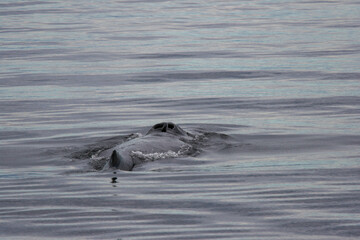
163 140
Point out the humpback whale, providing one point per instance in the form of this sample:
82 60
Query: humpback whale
163 140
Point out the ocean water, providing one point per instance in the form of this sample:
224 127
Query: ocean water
270 89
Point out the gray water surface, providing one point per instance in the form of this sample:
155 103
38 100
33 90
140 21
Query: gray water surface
270 88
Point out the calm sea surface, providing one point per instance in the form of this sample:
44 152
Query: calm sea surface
271 89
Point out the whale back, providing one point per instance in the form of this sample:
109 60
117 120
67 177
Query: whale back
151 144
147 148
163 140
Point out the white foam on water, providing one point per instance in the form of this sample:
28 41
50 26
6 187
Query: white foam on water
161 155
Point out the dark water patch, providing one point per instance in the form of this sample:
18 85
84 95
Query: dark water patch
107 79
210 75
341 76
32 30
344 25
7 135
328 53
205 75
142 1
282 144
32 11
214 25
33 79
178 55
31 43
136 38
81 57
327 2
45 107
318 227
13 54
23 4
